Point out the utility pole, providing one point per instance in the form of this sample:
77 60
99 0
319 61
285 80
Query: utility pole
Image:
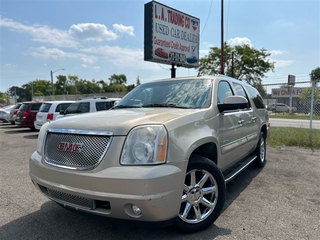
222 44
52 88
51 74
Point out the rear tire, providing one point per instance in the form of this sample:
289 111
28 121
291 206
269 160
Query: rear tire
261 152
203 195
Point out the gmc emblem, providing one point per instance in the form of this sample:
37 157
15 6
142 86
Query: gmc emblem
70 147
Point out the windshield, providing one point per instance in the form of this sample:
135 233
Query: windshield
191 93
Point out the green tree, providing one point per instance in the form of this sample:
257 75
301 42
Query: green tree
241 62
103 85
138 81
3 98
73 81
315 74
306 94
117 88
118 79
130 87
17 93
60 85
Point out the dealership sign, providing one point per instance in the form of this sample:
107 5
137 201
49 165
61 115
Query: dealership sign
284 92
170 36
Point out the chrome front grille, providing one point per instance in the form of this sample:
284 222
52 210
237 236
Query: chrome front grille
72 149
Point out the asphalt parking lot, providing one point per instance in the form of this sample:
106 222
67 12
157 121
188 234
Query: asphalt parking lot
280 201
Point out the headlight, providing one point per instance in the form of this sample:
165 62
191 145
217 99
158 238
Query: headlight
41 136
145 145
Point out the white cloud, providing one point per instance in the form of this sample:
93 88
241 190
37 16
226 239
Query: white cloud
120 56
86 59
277 52
239 41
55 53
282 63
124 29
46 53
42 34
84 66
96 67
92 32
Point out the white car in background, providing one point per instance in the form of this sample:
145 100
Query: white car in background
281 107
49 111
89 105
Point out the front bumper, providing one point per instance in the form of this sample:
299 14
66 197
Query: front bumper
112 191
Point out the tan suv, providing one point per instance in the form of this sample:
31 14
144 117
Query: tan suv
163 154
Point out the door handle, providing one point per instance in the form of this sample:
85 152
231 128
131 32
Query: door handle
240 122
254 119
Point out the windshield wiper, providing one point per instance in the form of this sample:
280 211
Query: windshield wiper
169 105
125 106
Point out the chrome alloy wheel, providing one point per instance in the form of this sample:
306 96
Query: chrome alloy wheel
200 196
262 149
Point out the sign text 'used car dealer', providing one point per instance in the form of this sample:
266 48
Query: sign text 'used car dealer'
171 37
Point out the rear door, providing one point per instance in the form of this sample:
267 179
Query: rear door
249 120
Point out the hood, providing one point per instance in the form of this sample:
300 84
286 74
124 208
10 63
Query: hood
120 121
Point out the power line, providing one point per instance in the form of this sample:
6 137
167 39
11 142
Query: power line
207 18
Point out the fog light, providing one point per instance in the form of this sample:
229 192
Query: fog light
136 210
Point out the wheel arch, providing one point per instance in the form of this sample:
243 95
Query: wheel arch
207 150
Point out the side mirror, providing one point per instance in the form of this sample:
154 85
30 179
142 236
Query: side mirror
62 112
233 103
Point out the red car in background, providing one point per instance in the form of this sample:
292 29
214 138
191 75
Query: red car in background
161 53
27 114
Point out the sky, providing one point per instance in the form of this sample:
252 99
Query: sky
94 39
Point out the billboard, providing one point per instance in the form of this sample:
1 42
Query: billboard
170 36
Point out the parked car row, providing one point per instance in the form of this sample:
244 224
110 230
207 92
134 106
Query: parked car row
34 114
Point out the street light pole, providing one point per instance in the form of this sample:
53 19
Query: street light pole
32 91
51 74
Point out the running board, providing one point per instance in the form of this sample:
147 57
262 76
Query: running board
239 169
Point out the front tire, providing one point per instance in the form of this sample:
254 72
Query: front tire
203 195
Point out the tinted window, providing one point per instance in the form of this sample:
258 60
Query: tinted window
35 107
79 107
240 91
255 96
45 107
100 106
23 107
224 91
62 106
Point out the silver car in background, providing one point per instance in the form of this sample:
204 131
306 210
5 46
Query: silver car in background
5 113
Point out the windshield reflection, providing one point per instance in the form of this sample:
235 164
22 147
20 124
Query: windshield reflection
193 93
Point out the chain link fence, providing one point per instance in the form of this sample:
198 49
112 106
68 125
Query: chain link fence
296 106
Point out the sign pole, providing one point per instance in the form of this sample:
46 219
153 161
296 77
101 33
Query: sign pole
173 71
